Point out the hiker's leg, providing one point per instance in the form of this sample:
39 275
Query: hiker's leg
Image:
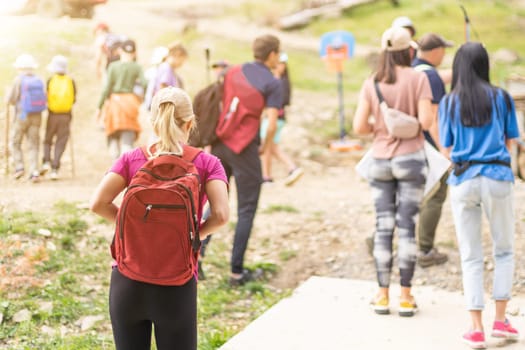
113 145
411 172
429 216
498 202
465 200
383 188
266 157
33 138
51 127
174 315
248 178
17 135
128 312
127 138
62 133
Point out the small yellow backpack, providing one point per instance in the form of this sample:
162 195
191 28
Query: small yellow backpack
60 94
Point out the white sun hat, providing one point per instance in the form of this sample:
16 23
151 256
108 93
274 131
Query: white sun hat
25 61
58 64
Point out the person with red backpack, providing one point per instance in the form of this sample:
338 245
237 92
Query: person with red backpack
28 95
249 89
158 228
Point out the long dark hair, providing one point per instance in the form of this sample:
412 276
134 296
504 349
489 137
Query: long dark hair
471 84
386 70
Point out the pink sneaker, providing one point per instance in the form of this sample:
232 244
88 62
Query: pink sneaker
475 339
504 330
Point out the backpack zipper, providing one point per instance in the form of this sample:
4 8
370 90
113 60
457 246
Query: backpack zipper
160 206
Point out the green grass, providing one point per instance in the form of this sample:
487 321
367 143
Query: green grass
70 270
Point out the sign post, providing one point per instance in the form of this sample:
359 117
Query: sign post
336 47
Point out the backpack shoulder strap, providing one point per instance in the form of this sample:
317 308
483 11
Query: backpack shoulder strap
378 92
423 67
189 153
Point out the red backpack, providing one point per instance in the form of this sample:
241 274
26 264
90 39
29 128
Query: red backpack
157 231
241 114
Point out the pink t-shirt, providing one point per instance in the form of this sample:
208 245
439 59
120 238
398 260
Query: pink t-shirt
404 95
208 166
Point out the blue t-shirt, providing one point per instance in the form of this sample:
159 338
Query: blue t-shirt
482 143
436 85
261 78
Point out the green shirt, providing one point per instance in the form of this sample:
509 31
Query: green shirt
121 78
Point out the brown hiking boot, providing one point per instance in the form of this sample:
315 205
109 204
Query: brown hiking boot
433 257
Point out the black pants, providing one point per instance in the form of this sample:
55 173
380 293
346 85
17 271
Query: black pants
135 306
246 169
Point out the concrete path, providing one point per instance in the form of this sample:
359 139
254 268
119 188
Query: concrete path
329 313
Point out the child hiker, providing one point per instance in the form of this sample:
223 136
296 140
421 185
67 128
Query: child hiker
29 98
61 93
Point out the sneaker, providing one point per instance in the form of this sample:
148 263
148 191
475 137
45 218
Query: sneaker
370 245
35 177
18 174
45 168
407 308
433 257
380 305
54 175
475 339
267 180
293 176
504 330
247 276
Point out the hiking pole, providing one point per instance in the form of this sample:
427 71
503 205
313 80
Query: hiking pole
71 152
207 55
6 144
467 23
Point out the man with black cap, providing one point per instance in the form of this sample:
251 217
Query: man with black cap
429 56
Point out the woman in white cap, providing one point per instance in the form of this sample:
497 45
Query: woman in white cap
61 96
398 171
29 98
171 309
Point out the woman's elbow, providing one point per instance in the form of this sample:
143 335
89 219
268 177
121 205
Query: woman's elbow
94 206
222 215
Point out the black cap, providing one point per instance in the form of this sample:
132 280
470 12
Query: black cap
128 46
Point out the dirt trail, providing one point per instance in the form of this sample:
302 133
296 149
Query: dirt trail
329 211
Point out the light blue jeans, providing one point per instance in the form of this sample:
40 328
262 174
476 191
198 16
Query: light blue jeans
496 198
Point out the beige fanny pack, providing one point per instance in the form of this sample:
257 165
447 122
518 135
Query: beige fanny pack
398 123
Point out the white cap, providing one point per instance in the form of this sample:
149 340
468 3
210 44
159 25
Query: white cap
58 64
25 61
397 39
404 22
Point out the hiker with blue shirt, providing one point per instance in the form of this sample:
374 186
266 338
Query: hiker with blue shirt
29 98
430 54
477 122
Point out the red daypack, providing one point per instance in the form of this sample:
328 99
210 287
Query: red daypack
241 114
157 231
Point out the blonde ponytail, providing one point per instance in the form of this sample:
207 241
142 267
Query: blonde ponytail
171 113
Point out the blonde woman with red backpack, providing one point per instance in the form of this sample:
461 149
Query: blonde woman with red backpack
140 303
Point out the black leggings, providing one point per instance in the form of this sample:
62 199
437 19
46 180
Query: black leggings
135 306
